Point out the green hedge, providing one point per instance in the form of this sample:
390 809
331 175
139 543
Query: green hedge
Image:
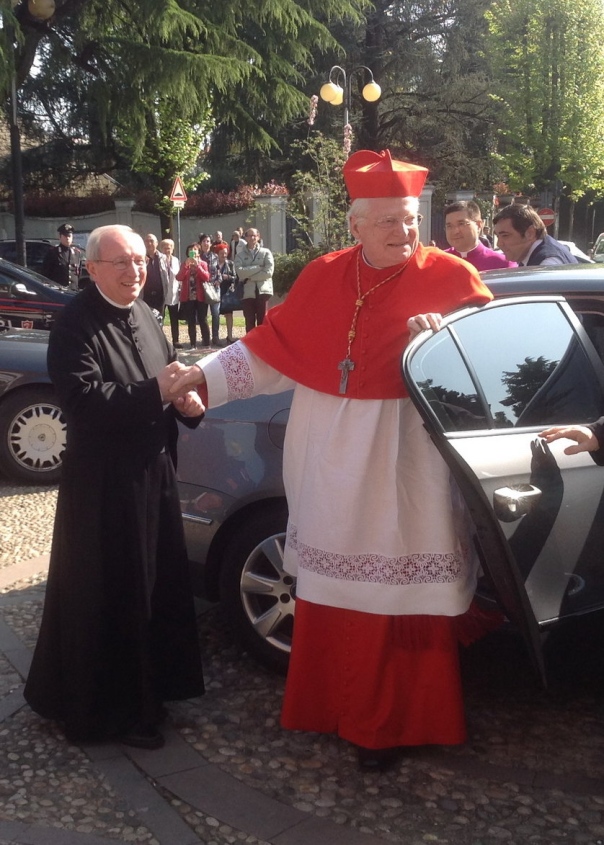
288 267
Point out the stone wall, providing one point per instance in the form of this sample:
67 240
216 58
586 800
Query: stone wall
268 216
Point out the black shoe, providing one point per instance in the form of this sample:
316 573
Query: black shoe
178 345
141 736
377 759
230 340
218 343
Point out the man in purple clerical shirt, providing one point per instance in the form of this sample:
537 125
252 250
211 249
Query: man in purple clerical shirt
463 226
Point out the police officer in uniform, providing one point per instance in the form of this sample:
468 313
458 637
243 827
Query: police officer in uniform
63 263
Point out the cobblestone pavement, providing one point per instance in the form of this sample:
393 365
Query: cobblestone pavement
532 771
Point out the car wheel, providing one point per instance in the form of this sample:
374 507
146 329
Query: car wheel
258 596
32 435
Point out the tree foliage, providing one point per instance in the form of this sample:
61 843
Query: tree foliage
522 384
548 64
435 108
318 183
319 180
110 75
140 89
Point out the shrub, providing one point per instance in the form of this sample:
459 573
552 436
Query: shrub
66 205
288 267
212 203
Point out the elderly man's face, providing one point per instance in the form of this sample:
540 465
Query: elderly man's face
151 244
252 236
388 230
121 271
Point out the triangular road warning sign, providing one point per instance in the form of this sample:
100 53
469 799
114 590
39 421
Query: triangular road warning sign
178 191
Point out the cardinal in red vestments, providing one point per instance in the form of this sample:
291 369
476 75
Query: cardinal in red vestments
376 535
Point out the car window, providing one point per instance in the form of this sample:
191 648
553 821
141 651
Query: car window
516 365
36 253
593 323
8 251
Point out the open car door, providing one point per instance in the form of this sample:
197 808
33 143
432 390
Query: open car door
486 384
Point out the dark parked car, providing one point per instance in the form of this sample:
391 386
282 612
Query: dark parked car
28 300
35 252
32 430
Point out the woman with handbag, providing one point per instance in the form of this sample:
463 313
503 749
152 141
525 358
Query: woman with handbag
229 291
193 274
212 288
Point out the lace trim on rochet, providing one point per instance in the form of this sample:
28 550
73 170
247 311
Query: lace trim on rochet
420 568
237 372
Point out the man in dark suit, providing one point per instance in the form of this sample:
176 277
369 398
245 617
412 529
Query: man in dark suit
522 237
63 263
157 287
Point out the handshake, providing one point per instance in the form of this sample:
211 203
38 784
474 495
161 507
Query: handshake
177 384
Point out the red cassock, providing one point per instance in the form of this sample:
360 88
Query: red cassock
375 648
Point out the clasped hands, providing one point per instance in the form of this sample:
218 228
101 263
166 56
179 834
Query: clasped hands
177 385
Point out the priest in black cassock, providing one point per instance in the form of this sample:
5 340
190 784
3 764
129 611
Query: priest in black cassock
118 635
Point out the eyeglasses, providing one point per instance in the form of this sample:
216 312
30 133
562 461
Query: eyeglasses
410 222
122 264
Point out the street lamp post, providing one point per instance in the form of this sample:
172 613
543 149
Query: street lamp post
40 11
335 93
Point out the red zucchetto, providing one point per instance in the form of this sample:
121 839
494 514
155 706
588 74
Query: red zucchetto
369 175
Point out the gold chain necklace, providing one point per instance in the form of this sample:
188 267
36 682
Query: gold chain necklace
347 365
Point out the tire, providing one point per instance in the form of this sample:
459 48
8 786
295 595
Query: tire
32 436
257 595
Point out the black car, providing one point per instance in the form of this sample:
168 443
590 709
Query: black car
32 429
28 300
35 252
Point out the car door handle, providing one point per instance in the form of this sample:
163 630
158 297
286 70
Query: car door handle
511 503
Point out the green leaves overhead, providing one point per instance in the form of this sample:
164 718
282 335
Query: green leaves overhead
117 58
548 61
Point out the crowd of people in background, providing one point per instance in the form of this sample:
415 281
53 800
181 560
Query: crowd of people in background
214 279
217 277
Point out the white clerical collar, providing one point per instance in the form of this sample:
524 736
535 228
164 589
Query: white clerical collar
369 264
111 302
465 254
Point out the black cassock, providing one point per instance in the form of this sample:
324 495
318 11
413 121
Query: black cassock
118 632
